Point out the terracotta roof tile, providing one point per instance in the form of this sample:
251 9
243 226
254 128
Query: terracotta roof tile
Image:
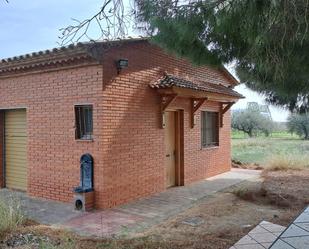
75 53
168 81
91 51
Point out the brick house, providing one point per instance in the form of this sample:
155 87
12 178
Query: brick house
149 119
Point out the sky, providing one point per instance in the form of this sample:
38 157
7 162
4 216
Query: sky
278 114
30 26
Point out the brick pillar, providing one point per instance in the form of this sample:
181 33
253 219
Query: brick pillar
1 148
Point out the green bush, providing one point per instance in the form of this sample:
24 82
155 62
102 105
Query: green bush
299 124
10 215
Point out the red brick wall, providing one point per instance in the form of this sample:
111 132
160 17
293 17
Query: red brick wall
133 154
1 148
53 152
128 145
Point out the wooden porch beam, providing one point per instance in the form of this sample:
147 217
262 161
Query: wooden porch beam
196 103
227 107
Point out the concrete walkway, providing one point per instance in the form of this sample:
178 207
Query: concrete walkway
41 210
134 217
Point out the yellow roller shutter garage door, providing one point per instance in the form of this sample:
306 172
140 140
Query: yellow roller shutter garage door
16 149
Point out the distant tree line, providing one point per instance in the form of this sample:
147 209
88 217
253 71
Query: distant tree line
252 122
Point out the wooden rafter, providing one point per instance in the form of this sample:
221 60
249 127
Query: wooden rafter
224 109
227 107
196 103
166 100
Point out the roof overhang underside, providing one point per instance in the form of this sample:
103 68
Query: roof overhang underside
197 94
171 87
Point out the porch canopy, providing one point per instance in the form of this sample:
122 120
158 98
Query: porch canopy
170 87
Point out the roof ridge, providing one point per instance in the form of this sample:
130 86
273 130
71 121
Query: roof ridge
90 50
70 47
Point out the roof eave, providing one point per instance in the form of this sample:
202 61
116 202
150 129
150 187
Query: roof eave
194 93
229 75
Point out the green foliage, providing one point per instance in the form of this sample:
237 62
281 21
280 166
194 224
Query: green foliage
299 124
268 40
251 122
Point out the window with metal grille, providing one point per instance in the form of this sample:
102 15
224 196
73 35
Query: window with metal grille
83 122
210 129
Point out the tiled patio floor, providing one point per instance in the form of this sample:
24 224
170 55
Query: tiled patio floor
296 236
271 236
261 237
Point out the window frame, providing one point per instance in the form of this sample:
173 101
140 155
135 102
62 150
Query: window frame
215 132
83 132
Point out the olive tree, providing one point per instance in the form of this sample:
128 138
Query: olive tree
299 124
251 122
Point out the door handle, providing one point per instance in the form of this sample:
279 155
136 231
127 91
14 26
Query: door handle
168 155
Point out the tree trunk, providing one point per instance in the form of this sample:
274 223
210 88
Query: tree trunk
306 134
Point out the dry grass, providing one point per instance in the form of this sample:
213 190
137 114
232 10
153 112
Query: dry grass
240 165
10 215
284 163
281 188
289 188
251 142
250 194
67 243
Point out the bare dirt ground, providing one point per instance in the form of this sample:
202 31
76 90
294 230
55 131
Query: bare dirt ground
287 188
227 217
220 220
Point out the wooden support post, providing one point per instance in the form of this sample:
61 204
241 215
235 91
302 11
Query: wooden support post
196 103
166 100
223 110
221 115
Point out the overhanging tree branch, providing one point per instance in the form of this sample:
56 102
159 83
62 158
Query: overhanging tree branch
268 41
113 20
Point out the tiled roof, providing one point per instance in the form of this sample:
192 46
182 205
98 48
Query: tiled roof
68 55
88 51
168 81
